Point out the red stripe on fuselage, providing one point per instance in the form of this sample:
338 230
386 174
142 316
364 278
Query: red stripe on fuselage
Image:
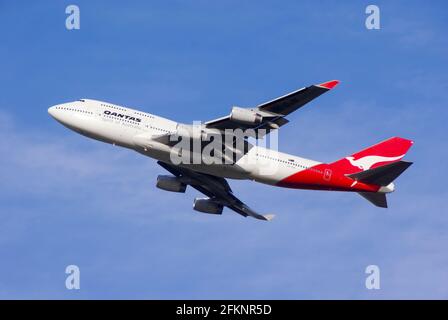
324 177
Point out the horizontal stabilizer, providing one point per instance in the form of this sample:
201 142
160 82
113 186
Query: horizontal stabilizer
382 175
378 199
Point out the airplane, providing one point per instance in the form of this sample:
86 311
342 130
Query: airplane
369 172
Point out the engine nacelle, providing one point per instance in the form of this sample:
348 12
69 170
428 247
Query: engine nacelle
207 205
170 183
246 116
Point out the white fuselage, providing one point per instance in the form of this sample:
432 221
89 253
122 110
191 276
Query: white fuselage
135 130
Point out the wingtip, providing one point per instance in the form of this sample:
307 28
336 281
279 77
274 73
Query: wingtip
329 84
269 217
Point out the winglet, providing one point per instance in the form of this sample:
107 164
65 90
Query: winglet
329 84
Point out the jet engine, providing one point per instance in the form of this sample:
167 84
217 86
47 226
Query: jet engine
246 116
170 183
207 205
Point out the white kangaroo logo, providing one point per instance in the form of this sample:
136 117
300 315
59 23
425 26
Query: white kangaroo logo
367 162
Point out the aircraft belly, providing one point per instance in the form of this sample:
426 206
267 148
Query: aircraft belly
219 170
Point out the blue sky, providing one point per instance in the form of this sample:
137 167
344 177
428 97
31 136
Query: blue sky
68 200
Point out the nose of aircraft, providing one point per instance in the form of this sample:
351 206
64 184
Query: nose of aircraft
58 113
52 111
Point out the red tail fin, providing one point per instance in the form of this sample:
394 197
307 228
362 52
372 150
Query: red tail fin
385 152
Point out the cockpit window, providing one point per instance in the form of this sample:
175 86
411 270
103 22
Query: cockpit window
82 100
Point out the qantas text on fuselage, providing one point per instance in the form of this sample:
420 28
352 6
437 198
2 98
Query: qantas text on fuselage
369 172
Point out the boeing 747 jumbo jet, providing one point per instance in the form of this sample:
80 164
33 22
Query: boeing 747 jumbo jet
203 155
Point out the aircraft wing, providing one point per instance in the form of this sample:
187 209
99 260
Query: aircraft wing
215 188
272 113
